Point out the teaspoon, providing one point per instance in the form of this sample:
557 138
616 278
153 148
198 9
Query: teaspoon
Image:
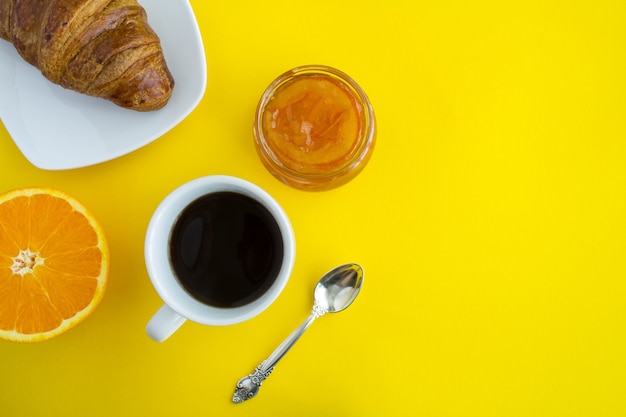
334 292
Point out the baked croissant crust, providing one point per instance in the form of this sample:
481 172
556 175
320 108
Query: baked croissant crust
103 48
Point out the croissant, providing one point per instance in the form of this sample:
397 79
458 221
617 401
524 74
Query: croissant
103 48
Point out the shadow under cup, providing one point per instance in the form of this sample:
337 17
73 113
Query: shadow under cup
219 250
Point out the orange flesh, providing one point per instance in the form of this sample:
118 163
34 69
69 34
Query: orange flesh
313 123
51 266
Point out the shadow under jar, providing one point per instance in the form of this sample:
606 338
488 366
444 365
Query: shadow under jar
314 128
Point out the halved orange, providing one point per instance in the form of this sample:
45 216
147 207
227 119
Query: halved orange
54 264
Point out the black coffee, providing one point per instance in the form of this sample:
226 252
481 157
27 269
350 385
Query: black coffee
226 249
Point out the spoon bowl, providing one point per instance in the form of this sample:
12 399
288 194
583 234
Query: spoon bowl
334 292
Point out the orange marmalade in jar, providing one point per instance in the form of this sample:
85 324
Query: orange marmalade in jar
314 128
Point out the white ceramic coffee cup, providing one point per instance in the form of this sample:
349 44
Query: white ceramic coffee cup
179 305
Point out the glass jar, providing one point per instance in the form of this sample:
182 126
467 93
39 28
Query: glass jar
314 128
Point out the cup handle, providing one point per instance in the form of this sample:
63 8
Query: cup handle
164 323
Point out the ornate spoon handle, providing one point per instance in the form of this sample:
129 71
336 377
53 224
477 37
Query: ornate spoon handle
248 386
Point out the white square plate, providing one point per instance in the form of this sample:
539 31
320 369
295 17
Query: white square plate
59 129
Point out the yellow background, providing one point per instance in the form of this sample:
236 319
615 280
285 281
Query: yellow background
491 223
